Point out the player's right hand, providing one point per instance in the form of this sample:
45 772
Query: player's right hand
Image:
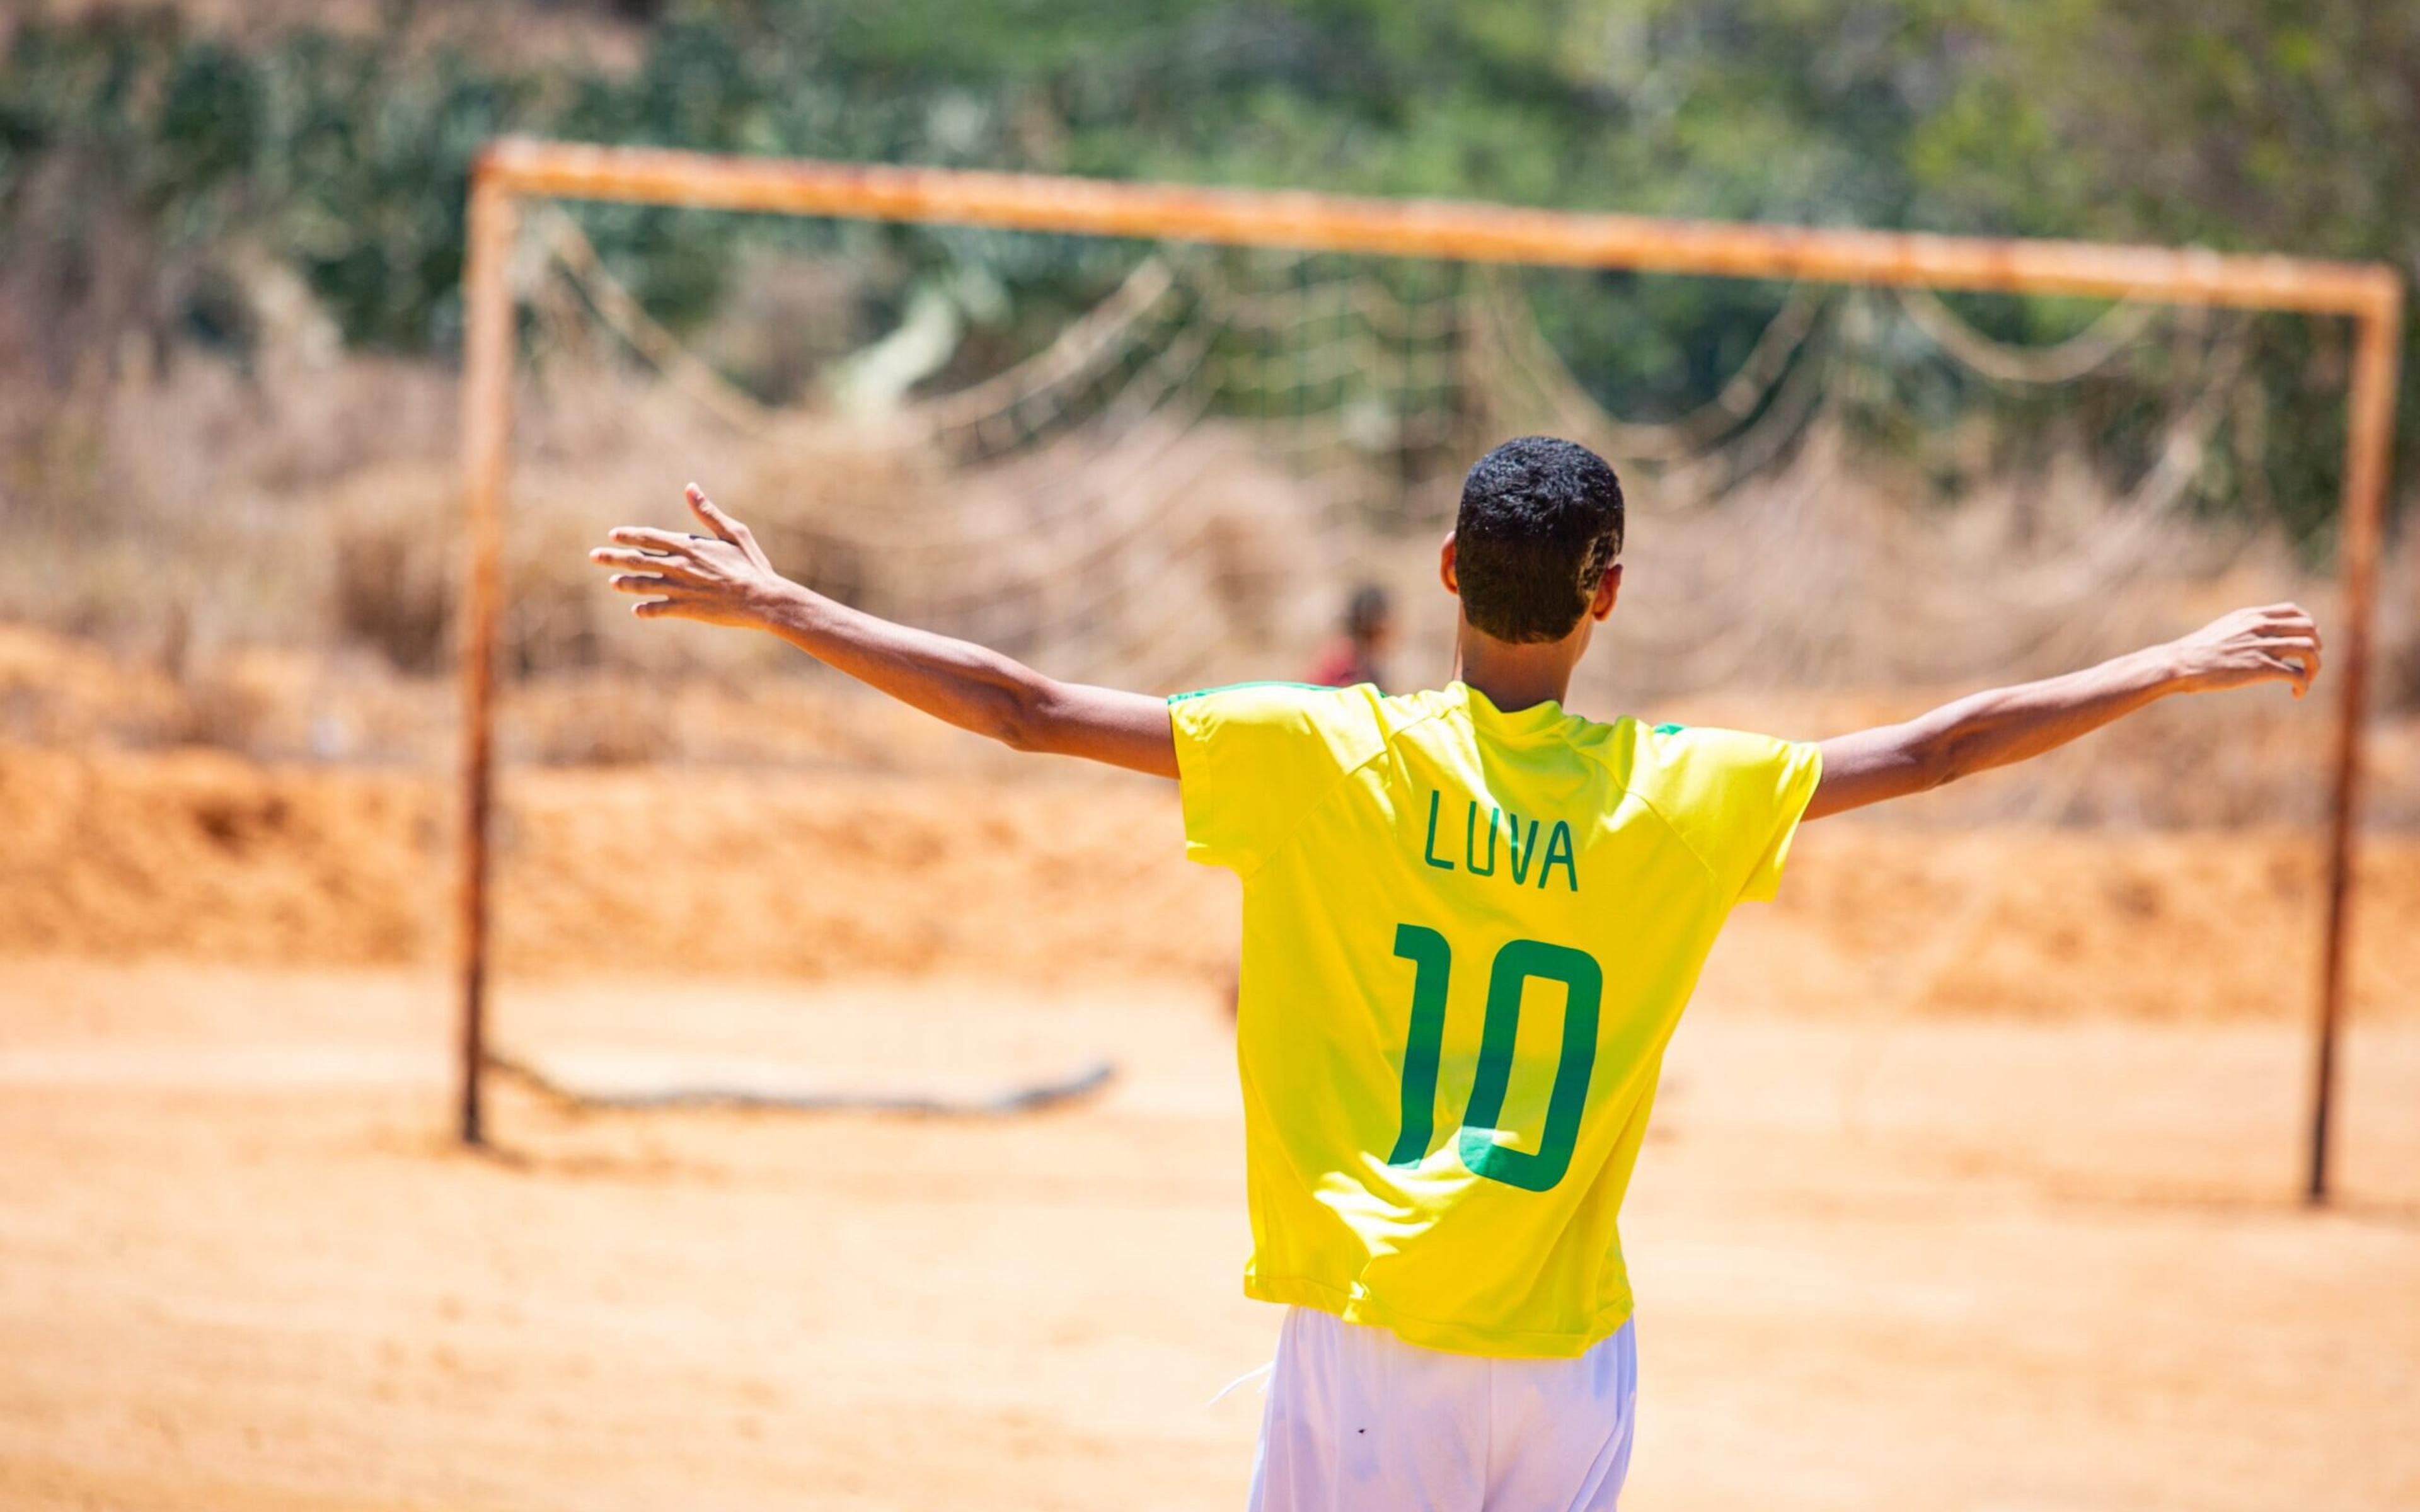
722 579
2275 643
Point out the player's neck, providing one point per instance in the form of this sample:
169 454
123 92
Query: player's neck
1517 675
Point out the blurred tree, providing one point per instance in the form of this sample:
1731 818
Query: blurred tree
2275 124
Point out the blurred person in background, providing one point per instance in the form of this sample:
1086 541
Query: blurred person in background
1359 653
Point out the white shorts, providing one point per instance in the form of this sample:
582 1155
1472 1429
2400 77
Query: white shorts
1358 1419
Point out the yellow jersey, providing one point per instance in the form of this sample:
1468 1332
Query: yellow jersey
1468 935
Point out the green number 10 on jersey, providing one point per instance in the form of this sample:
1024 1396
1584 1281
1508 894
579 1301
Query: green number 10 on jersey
1515 963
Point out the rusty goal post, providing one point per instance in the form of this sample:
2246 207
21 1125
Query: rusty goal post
511 170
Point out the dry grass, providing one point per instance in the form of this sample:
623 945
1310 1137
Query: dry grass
279 551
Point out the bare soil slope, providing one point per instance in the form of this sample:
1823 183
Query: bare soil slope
206 856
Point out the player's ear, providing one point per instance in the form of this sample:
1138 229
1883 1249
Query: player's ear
1446 573
1607 590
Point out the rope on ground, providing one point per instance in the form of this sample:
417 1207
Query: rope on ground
1008 1102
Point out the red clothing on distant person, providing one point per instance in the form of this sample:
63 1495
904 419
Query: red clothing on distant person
1343 664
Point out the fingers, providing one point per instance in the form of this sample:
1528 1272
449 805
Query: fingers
710 514
2264 616
662 599
2277 642
672 542
674 554
639 582
2286 619
2296 667
2307 664
669 571
659 564
2293 644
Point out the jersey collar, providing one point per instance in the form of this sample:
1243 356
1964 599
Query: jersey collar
1537 720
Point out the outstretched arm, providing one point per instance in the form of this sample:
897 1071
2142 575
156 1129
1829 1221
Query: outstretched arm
2278 643
724 578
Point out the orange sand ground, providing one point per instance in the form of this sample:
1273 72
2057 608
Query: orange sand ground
1945 1264
1970 1187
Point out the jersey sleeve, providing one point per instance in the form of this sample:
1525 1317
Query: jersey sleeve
1738 797
1253 760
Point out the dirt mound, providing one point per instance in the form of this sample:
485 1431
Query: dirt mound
204 855
198 854
2196 925
56 689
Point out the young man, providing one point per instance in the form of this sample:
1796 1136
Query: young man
1471 921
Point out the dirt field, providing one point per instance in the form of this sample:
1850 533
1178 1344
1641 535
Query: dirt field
1944 1264
1971 1185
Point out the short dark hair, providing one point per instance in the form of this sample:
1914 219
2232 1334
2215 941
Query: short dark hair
1539 525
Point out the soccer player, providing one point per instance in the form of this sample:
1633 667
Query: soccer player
1471 920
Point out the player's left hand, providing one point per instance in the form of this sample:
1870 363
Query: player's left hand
721 578
2276 642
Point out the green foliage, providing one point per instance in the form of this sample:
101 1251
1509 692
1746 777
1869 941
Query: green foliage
2248 124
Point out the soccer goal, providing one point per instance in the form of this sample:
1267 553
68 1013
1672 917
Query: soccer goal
1177 311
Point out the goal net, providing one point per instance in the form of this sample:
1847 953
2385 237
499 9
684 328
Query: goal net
1161 459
